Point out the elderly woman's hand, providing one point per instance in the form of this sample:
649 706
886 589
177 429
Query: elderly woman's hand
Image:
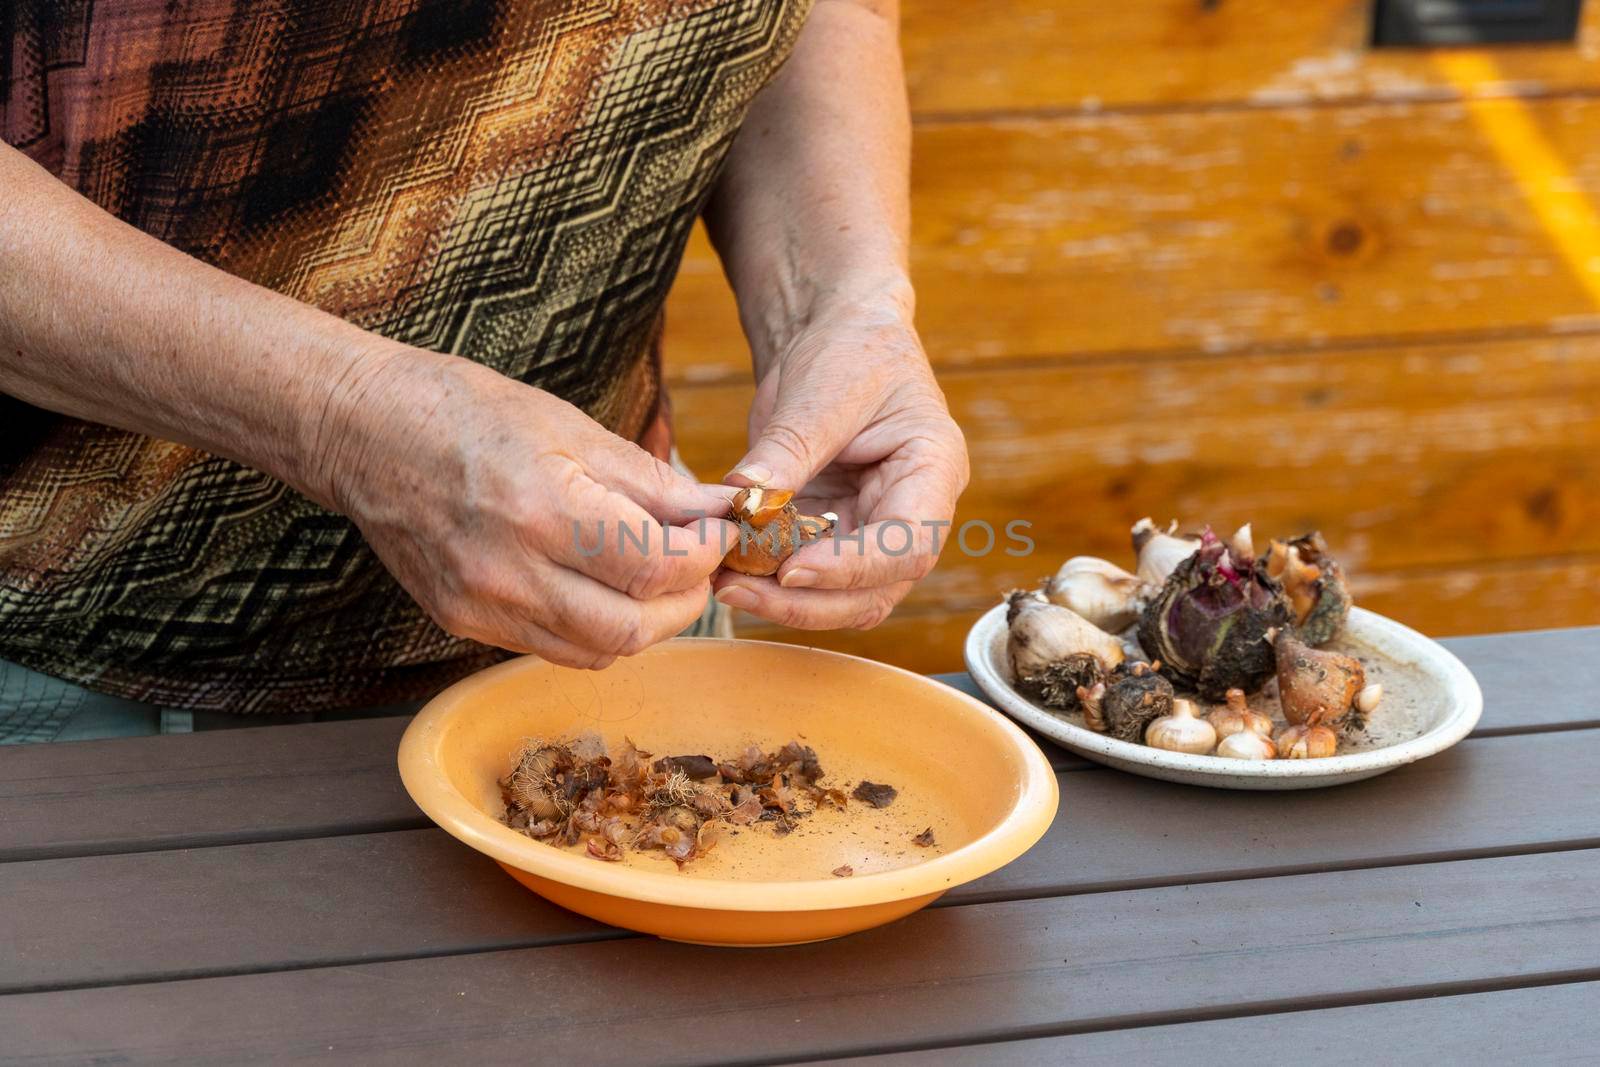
498 507
850 411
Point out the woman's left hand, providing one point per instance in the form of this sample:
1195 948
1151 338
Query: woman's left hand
850 413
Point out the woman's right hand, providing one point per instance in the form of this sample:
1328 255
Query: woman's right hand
498 507
465 482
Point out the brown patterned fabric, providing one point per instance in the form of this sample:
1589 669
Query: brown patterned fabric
510 181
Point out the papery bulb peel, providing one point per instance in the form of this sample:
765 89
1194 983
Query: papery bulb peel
1159 552
1091 700
1100 591
1042 633
1315 686
1314 583
1054 650
758 505
1241 546
1238 717
1307 742
1247 744
1181 731
770 530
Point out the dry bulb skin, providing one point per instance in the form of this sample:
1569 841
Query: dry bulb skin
1242 544
1092 701
771 529
1135 696
1307 742
1100 591
1160 552
1042 633
1238 717
1181 731
1054 651
1314 583
1247 744
1316 686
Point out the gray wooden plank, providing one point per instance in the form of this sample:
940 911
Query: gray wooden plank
1119 830
1542 1024
267 783
275 783
1060 759
1543 680
301 903
943 976
297 903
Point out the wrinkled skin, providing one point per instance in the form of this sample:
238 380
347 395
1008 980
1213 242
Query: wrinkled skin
853 416
473 507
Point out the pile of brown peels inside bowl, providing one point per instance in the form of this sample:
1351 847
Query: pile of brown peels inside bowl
567 793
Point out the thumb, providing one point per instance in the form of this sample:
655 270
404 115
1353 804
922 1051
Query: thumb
667 494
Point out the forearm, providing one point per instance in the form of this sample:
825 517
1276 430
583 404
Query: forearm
812 209
105 323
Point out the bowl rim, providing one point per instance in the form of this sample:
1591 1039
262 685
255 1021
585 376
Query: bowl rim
1459 689
1017 831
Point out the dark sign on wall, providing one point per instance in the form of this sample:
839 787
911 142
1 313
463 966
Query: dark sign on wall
1467 22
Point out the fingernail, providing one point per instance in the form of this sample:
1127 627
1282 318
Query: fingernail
755 472
799 578
736 597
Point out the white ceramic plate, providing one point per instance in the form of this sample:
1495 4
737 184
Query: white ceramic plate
1445 693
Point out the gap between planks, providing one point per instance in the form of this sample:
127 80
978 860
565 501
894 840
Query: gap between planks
221 839
1431 97
556 941
1187 354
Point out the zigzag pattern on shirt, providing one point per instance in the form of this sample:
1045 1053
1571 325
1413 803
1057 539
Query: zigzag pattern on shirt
513 182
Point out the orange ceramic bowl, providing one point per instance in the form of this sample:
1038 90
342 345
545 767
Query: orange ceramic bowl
961 769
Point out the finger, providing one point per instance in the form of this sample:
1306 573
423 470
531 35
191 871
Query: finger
594 616
644 560
504 630
879 554
603 534
806 430
663 492
901 542
810 609
547 646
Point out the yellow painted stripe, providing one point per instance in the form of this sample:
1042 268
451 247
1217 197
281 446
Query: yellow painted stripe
1542 176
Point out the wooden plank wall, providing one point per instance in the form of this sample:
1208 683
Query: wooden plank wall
1216 260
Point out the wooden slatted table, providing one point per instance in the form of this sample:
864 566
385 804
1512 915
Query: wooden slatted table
272 893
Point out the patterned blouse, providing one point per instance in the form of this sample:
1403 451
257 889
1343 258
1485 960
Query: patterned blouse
512 181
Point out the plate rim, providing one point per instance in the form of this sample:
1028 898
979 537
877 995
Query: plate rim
1461 690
